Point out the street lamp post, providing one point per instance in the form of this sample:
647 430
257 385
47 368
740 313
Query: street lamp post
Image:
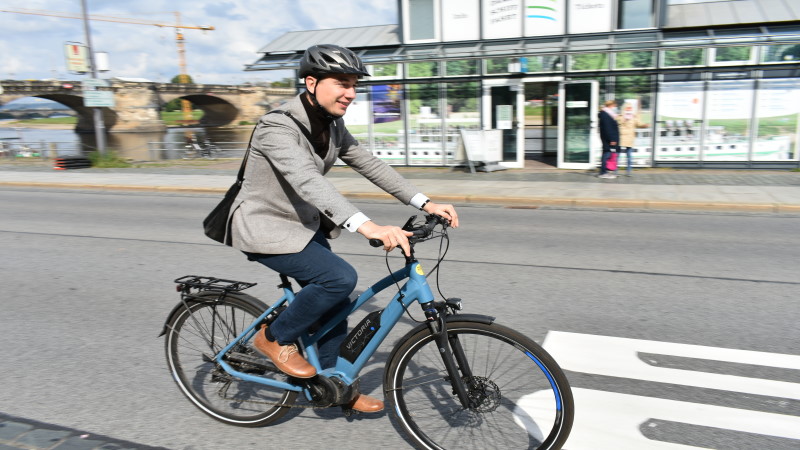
99 125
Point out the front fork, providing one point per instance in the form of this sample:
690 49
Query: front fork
453 357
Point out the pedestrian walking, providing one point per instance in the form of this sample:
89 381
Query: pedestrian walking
627 123
609 135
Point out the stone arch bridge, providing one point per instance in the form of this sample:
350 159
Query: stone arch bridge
137 104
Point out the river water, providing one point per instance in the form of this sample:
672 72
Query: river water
170 144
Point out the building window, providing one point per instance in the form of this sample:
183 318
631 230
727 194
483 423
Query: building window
423 69
729 111
777 113
461 67
680 114
387 125
683 57
424 123
636 14
636 91
384 70
634 60
421 20
787 53
543 63
463 113
496 66
731 55
588 61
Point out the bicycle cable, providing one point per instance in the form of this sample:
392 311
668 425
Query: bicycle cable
443 236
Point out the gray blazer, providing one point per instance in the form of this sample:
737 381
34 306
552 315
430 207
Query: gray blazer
285 197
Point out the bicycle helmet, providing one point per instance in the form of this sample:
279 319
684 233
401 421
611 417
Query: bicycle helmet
330 59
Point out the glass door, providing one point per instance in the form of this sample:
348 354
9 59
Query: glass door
503 120
541 121
578 144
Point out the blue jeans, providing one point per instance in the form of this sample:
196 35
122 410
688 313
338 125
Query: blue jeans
628 151
327 281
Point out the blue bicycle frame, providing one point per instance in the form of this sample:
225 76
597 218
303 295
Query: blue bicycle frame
415 289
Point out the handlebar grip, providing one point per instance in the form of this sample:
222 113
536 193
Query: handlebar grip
376 242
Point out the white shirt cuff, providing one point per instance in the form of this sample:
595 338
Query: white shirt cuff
355 221
419 200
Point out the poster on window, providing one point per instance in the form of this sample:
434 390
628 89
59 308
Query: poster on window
681 100
386 101
502 19
544 17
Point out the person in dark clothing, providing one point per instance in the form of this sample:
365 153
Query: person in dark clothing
609 134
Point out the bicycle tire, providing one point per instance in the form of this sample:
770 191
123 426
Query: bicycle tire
191 342
523 399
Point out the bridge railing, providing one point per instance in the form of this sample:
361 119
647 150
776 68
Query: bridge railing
182 150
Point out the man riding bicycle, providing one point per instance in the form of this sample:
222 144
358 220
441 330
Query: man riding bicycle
287 210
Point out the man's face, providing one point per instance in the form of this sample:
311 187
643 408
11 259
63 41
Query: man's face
334 92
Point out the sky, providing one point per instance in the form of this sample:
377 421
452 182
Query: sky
32 46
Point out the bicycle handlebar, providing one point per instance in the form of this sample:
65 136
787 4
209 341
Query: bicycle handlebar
418 233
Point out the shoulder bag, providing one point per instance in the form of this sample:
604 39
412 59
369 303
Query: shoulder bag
217 224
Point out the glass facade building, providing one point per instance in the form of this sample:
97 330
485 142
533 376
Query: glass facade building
528 76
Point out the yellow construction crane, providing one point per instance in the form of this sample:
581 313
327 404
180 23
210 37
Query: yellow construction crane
183 77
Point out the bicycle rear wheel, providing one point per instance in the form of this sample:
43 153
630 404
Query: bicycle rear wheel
521 398
196 334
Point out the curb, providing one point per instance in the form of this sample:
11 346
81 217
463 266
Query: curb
513 202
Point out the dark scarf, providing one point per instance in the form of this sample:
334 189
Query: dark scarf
320 127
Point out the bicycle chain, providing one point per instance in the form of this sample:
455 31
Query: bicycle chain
222 391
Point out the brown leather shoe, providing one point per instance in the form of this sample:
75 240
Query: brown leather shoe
285 357
366 404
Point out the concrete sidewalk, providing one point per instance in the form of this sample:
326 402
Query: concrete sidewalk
657 189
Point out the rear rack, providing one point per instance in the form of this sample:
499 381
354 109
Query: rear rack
212 283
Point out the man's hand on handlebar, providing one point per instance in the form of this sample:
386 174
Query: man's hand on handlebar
443 210
391 236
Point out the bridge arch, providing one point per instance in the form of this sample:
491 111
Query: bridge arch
85 115
217 111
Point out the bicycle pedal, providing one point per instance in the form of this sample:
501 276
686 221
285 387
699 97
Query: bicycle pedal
349 412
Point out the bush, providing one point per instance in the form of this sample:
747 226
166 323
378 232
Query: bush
107 160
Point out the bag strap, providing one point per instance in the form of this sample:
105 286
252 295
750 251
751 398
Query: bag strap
303 129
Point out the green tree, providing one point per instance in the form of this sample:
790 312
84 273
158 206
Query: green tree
283 83
461 67
684 57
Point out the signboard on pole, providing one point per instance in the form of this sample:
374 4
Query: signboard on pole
77 57
92 97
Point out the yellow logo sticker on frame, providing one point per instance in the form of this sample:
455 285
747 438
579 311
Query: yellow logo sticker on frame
419 269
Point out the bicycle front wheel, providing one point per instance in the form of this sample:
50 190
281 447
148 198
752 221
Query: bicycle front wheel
194 337
519 397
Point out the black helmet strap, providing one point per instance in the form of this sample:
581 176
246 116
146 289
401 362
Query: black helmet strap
319 108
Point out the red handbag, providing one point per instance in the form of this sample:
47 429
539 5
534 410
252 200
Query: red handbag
611 164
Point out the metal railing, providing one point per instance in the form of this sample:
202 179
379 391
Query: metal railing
183 150
13 149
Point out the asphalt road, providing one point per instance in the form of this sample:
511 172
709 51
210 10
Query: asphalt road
674 328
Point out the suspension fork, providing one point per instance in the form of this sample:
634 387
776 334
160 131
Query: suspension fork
452 353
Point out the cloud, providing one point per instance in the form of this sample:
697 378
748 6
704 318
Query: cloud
31 46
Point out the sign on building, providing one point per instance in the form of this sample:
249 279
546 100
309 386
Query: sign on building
590 16
544 17
502 19
460 20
